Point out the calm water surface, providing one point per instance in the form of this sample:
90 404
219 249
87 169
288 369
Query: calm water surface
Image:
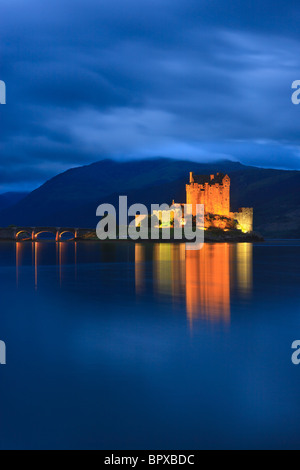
133 346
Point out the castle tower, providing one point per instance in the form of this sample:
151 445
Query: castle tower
213 191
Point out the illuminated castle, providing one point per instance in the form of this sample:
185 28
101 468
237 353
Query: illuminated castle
214 192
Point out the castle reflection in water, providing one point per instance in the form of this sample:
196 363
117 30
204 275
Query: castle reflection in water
204 281
205 278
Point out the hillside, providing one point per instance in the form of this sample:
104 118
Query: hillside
10 199
71 198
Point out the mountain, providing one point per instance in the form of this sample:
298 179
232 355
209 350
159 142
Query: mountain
71 198
10 199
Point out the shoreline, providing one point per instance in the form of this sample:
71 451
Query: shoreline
246 238
209 237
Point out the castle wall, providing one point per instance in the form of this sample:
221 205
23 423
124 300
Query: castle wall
245 219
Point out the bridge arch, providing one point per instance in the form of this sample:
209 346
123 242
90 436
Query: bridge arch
49 232
63 232
33 233
25 232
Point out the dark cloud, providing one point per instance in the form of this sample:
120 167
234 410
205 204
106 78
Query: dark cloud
195 79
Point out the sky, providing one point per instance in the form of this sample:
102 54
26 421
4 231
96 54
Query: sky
194 79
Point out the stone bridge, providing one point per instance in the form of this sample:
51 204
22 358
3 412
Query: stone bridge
32 233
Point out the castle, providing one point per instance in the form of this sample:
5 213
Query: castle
214 192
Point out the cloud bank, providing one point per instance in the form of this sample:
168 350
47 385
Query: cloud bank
191 79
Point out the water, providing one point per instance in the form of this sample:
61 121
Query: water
127 347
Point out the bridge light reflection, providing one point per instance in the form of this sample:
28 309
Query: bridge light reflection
18 254
37 254
36 266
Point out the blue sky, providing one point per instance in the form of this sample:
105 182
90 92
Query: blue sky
195 79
